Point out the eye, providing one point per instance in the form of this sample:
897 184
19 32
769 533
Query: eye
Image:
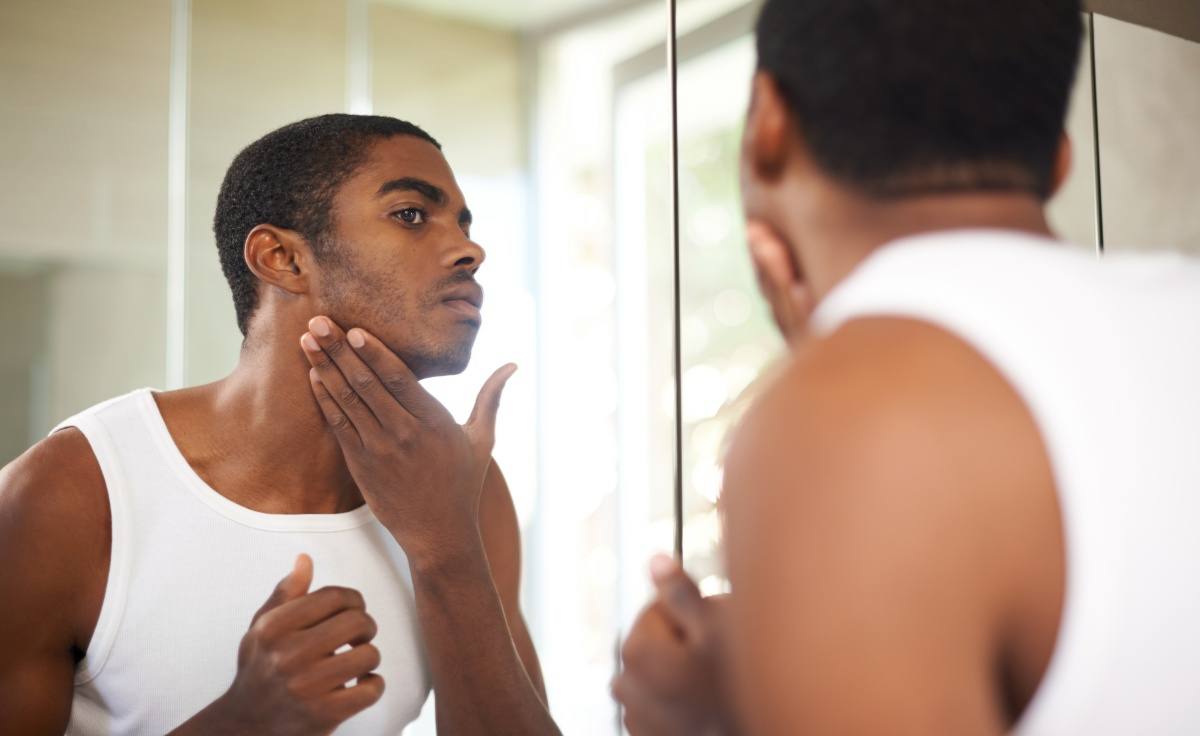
411 215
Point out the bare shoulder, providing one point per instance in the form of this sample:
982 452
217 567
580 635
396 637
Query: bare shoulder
888 498
54 540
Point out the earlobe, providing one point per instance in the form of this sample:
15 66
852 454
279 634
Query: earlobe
277 257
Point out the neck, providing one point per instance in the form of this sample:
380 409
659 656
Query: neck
832 233
258 436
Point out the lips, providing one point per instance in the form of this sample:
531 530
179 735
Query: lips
466 300
470 293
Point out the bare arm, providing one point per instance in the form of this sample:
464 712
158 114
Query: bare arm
486 676
892 539
502 540
54 528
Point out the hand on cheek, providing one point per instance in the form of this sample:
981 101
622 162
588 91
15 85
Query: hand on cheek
419 470
780 281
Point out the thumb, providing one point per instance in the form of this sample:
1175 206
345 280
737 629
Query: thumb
482 422
293 585
679 596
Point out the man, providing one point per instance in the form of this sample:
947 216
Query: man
968 503
143 542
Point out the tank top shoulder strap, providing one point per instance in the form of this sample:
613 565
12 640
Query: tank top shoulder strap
105 426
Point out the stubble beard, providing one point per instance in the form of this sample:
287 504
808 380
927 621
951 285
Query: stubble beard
355 298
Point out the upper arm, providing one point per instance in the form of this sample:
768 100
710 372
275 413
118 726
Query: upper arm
53 517
502 540
869 526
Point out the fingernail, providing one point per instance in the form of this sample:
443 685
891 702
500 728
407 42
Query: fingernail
309 343
319 326
355 338
661 566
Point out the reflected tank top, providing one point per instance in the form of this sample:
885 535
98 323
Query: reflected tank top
188 570
1106 355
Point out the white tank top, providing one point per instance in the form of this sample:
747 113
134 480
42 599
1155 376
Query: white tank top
188 570
1106 355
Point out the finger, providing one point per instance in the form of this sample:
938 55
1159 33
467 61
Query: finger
654 649
482 422
767 286
335 671
679 596
343 393
345 702
343 429
293 585
645 711
338 347
310 610
776 271
395 375
353 626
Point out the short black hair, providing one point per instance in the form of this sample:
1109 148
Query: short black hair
288 178
897 98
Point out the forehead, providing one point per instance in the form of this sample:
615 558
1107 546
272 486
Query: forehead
398 157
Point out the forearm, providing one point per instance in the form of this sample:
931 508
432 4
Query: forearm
479 681
212 719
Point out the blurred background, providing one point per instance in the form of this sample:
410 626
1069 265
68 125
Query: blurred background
119 120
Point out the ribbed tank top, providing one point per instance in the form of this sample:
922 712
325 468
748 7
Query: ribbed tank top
188 570
1106 355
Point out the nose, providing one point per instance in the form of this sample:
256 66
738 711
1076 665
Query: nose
466 254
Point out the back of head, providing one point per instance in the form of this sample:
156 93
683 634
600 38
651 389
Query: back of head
288 178
920 96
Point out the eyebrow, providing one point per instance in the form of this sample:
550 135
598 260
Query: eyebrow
429 191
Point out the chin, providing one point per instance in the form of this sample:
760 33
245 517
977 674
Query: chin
449 361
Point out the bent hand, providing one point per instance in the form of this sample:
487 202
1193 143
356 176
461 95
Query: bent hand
419 470
673 679
289 678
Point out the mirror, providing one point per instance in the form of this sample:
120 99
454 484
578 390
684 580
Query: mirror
121 119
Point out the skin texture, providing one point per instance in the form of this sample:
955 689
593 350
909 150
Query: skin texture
893 534
262 429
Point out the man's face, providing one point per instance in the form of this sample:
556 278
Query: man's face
401 263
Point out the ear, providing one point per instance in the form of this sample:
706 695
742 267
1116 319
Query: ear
1062 163
768 126
279 257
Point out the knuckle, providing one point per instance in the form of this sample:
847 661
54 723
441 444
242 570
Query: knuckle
322 362
632 653
353 599
348 396
375 687
374 444
404 438
618 688
335 347
395 385
339 421
363 381
262 630
369 627
372 656
295 689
